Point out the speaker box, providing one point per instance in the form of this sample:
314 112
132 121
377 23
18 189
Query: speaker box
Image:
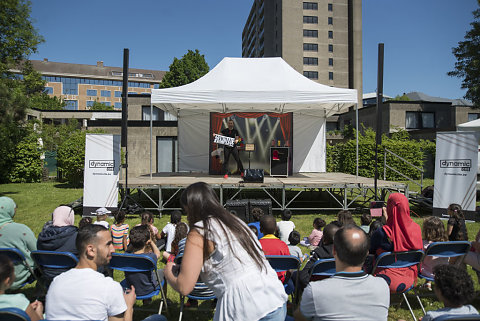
265 205
253 175
240 207
279 161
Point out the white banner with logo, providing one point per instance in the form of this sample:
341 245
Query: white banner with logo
102 167
455 172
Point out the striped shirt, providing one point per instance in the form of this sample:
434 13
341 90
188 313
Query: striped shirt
117 234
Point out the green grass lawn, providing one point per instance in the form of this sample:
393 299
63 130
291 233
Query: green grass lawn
37 201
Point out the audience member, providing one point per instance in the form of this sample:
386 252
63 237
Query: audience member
19 301
365 220
256 214
345 218
456 228
168 232
375 225
433 231
15 235
119 231
366 297
317 233
453 287
60 236
147 219
222 250
84 221
285 226
102 214
181 231
84 294
272 245
473 257
254 230
400 234
141 243
323 251
294 239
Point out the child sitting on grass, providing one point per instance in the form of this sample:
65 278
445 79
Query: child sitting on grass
317 233
285 226
120 231
453 287
141 243
19 301
294 239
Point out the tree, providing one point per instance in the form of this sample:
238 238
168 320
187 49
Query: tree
468 61
98 106
403 97
185 70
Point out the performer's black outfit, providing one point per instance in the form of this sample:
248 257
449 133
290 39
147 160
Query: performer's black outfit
231 150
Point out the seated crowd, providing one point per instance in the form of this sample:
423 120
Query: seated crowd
229 257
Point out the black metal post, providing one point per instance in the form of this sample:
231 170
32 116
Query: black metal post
125 118
378 136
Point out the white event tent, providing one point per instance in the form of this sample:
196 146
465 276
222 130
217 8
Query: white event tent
238 85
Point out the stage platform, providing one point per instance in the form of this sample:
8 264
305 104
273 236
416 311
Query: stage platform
343 188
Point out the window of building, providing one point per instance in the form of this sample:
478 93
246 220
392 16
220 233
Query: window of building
71 104
118 94
472 116
118 105
157 113
330 48
330 7
330 34
106 103
91 92
132 93
310 33
310 6
49 90
310 19
330 61
330 75
106 93
311 74
156 86
330 20
310 61
419 120
310 47
90 103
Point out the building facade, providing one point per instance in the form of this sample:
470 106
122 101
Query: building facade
321 39
81 85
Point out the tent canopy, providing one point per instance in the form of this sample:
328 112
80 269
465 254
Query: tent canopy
254 84
473 125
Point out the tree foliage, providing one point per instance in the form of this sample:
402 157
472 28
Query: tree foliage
185 70
403 97
27 164
467 65
98 106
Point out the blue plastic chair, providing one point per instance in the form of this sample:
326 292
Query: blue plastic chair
51 260
446 249
18 257
457 317
395 260
323 267
200 291
282 263
13 314
128 262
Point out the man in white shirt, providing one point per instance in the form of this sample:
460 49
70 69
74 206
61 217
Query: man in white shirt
350 294
84 294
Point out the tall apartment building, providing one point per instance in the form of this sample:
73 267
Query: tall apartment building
81 85
320 39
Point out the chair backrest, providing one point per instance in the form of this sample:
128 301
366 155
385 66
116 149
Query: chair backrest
282 263
54 260
448 249
129 262
325 267
457 317
13 314
13 254
393 260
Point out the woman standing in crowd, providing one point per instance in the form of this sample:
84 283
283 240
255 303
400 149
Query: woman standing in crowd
18 236
400 233
222 250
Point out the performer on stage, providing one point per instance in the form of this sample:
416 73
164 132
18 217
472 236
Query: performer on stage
231 132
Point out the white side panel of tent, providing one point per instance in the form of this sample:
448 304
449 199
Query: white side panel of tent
193 142
309 150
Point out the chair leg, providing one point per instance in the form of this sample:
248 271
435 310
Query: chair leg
182 301
409 307
419 301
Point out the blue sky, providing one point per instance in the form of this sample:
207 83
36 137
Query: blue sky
418 36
